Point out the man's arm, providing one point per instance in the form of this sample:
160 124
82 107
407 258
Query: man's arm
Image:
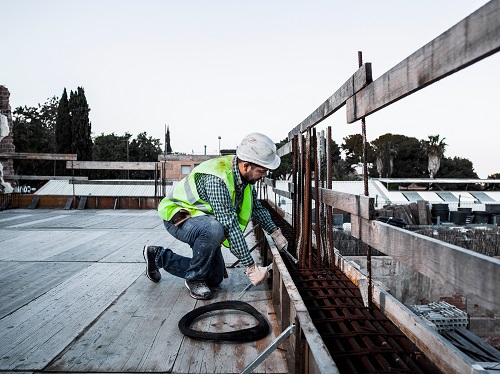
262 215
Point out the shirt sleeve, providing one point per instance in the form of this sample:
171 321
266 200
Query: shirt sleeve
217 195
262 215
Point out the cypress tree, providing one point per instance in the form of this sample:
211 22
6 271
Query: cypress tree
63 125
81 143
168 148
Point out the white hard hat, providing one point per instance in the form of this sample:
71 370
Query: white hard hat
258 149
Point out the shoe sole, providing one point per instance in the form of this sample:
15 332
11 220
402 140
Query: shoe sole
144 254
194 296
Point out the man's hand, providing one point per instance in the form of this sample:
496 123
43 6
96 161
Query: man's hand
279 239
257 274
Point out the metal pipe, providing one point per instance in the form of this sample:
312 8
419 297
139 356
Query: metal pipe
266 352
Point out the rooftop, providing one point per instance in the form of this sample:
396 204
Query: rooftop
74 298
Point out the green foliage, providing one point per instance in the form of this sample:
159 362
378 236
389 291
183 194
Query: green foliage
285 170
63 132
409 161
168 148
144 149
33 132
353 149
456 167
81 141
110 147
113 147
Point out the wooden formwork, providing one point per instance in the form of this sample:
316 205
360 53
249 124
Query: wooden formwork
309 353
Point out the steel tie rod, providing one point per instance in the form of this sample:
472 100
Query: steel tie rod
266 352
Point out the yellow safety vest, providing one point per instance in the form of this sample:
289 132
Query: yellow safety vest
185 195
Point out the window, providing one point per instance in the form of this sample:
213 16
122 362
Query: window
185 169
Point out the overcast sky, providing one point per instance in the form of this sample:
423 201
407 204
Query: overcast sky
227 68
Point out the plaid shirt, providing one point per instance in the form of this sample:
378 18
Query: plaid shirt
214 191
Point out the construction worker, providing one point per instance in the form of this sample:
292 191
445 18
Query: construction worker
210 207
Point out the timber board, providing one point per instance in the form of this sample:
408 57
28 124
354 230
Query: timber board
74 298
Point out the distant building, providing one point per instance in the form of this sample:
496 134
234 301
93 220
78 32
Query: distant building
178 166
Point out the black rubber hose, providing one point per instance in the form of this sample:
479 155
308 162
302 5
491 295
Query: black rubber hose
246 335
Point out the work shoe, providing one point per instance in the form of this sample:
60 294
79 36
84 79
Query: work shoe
152 270
198 289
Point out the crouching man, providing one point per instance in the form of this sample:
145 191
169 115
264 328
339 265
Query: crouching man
210 207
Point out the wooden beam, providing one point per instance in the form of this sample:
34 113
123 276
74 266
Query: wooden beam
283 193
110 165
472 39
438 180
123 182
358 205
433 345
471 274
285 149
39 156
360 79
43 177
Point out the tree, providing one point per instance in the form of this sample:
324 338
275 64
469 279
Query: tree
144 149
110 147
63 134
435 150
285 170
353 148
33 132
81 142
409 158
113 147
385 159
456 167
168 148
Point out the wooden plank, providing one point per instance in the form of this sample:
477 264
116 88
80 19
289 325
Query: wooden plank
286 194
358 205
54 320
5 203
466 272
137 334
67 206
123 182
285 149
472 39
110 165
39 156
319 359
82 202
19 287
221 357
50 244
43 177
356 82
434 346
34 203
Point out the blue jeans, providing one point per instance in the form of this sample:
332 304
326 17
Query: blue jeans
204 234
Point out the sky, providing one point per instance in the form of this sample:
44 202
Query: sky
210 69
